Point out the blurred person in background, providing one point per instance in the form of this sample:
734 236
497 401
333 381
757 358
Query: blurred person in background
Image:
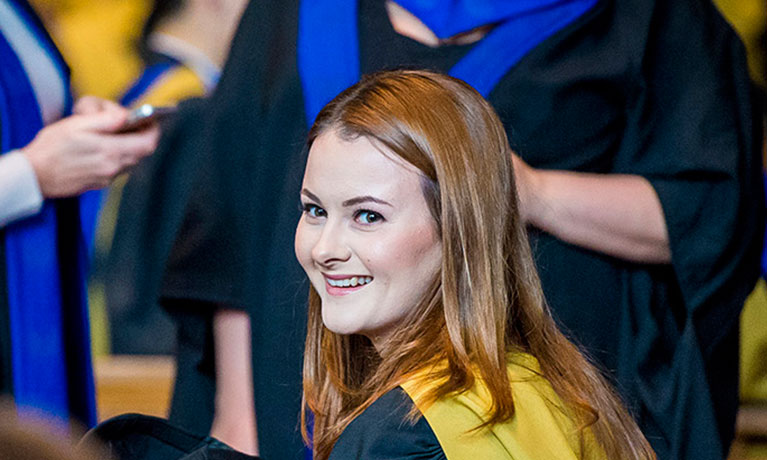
183 45
49 158
136 51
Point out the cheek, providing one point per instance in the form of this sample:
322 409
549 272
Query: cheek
303 244
405 254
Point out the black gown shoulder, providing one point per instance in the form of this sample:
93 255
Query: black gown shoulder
383 431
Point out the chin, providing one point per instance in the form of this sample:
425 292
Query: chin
340 329
338 324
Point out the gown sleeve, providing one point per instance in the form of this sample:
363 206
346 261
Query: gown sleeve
252 161
182 210
692 132
153 206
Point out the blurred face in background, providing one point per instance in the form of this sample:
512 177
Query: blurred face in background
366 238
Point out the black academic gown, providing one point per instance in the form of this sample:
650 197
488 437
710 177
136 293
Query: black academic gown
647 87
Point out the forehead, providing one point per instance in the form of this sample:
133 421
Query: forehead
338 167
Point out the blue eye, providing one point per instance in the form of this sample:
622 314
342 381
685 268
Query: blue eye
313 210
365 216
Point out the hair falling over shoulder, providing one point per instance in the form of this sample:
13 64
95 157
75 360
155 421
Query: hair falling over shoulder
487 300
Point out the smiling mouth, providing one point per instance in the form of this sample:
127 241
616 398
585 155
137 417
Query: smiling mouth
353 281
339 286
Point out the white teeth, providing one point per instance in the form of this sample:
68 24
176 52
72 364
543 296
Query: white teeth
353 281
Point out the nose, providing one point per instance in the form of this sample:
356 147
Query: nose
331 247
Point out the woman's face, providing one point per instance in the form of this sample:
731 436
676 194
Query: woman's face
366 238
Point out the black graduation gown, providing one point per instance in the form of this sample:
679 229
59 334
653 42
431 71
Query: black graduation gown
384 431
646 87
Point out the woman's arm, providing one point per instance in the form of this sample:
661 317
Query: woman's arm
616 214
234 422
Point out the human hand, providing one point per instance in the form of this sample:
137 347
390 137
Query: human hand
84 151
88 105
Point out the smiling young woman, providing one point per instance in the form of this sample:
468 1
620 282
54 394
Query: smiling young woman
424 291
367 239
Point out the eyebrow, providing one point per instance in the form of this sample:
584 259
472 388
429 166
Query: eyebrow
350 201
365 199
311 196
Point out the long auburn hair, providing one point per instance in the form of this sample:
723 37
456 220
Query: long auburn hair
487 299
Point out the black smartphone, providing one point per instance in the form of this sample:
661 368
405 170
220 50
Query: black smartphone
144 116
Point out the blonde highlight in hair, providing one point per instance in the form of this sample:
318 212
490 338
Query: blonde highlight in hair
487 300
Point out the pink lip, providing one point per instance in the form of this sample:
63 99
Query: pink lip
341 291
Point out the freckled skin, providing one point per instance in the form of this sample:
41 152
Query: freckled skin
395 242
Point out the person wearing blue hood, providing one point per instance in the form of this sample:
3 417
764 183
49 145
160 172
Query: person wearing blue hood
49 157
637 153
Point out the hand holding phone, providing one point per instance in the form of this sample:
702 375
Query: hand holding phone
144 116
86 151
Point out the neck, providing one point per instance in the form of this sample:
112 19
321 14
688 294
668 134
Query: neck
207 26
407 24
195 37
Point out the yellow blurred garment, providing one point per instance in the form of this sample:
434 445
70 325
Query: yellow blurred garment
753 346
97 40
749 18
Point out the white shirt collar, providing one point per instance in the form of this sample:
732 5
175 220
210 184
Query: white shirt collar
188 55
